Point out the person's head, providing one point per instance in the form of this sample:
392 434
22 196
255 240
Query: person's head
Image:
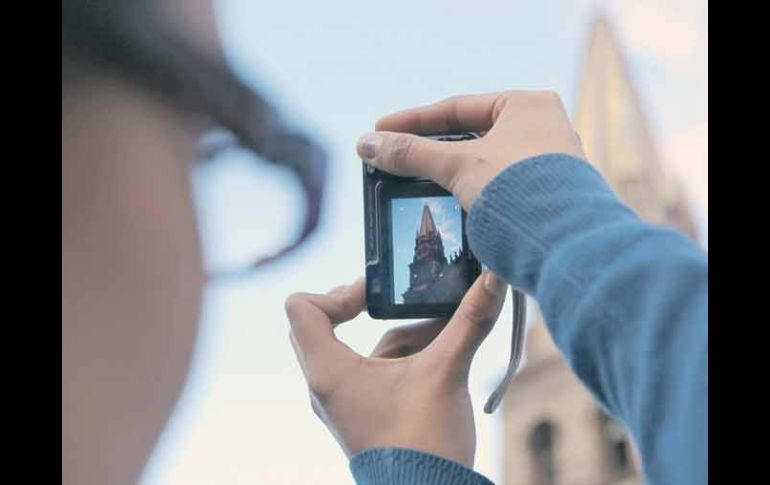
141 81
131 261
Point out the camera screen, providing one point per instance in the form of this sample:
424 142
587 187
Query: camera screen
429 265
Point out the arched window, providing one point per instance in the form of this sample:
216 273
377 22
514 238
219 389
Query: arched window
616 447
542 440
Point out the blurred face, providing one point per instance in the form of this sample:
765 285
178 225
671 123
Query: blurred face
132 275
131 266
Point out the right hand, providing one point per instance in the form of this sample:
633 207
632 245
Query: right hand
518 125
412 392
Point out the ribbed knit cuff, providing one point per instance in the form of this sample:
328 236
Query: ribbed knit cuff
388 466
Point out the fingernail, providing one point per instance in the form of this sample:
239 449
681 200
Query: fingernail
369 145
494 284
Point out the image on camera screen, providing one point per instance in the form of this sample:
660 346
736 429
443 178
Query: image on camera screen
429 265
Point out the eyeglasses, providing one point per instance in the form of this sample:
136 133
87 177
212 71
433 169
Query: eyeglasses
131 39
230 242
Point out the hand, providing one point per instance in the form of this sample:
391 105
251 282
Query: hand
518 125
412 392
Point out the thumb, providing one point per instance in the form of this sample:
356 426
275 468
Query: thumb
471 323
410 155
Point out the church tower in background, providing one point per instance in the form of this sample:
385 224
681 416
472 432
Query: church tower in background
554 432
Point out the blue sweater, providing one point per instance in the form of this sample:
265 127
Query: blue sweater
626 302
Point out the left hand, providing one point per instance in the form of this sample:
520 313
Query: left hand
516 124
412 392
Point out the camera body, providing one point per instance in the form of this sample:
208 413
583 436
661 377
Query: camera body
418 263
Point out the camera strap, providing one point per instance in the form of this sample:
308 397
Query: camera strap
517 346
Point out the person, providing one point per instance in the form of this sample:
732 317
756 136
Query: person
139 88
625 301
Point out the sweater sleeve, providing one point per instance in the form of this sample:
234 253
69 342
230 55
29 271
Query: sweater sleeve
626 302
391 466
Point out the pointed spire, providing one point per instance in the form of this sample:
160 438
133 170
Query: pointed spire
610 120
427 226
616 135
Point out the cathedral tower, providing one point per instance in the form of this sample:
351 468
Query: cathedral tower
429 259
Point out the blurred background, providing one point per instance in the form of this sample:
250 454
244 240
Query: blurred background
634 77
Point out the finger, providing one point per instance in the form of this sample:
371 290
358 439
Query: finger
312 318
407 339
456 114
473 320
413 156
343 303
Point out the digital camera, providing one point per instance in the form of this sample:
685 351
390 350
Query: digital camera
418 263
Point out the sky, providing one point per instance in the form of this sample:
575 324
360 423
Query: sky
406 219
333 68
